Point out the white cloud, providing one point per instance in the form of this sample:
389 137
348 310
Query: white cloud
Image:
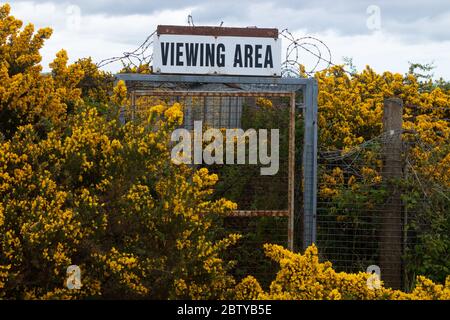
388 52
100 36
103 35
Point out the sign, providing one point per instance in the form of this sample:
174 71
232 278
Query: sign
217 50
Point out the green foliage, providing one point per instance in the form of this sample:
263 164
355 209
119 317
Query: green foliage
107 198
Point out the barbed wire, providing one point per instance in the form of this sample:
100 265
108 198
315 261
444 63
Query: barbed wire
381 139
191 21
349 157
138 57
296 50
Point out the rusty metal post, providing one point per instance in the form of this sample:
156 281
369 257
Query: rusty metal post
133 105
291 174
391 229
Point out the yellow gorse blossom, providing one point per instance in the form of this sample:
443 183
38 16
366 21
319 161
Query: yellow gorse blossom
304 277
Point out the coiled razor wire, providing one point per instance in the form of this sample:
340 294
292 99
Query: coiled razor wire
297 47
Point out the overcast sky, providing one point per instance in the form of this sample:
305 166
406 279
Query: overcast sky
384 34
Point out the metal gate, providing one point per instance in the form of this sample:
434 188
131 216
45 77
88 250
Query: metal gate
220 102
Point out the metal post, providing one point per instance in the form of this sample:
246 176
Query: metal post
133 105
315 111
291 174
310 164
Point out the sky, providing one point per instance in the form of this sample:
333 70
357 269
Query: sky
385 34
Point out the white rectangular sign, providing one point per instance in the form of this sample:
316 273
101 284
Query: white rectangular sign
223 55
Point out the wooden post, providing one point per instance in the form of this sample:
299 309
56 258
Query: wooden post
391 228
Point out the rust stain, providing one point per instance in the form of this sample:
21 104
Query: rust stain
218 31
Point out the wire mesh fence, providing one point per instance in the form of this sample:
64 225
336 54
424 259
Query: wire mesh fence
376 205
263 200
241 181
249 252
352 200
371 212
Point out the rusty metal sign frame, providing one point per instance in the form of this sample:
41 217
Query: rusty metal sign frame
169 85
218 31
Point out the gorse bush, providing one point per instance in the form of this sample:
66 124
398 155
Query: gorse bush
79 187
106 197
350 114
304 277
26 95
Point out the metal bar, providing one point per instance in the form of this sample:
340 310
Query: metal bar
166 78
218 31
315 93
259 213
178 93
205 111
306 237
229 112
133 105
291 174
239 112
219 121
310 166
